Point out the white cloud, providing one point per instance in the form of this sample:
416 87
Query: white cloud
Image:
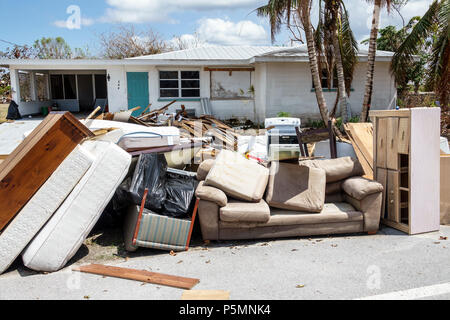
226 32
140 11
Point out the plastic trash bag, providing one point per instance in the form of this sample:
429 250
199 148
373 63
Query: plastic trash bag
13 112
150 173
180 190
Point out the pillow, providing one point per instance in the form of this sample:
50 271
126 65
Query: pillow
296 188
336 169
204 169
238 177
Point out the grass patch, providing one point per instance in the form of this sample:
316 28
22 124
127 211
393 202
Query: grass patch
3 112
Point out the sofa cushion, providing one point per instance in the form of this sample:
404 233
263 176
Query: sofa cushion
359 187
204 168
211 194
237 211
336 169
238 177
331 213
293 187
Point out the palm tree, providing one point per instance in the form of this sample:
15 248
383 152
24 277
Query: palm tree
378 4
282 12
336 43
433 24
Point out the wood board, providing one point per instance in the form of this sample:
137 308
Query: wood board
361 137
27 168
139 275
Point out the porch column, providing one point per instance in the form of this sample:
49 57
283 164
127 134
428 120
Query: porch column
15 87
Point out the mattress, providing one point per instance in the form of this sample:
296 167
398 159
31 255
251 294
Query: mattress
65 232
42 205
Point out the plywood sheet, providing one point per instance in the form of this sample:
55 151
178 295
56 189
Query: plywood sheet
361 137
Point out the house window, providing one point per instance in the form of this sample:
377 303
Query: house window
100 86
64 87
179 84
56 83
41 86
70 87
25 86
324 80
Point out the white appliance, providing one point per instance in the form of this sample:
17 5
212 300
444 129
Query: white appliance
282 141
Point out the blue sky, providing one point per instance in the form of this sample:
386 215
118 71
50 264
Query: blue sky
220 22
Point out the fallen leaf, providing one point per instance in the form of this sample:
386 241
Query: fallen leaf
209 261
334 245
86 297
319 240
300 286
264 244
437 242
172 253
181 261
294 250
442 238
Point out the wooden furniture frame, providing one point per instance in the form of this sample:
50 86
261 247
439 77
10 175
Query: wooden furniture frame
406 163
28 167
303 146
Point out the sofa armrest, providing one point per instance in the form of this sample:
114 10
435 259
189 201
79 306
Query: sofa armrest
360 188
211 194
208 214
370 207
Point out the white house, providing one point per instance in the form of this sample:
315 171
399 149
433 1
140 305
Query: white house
280 78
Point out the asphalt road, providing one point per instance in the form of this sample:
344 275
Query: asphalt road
387 265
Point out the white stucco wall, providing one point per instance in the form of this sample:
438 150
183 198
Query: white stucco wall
289 87
281 86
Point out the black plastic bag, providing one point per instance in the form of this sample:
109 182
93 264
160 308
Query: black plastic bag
150 173
13 111
180 189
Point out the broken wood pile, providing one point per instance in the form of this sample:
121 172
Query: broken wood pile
361 137
208 125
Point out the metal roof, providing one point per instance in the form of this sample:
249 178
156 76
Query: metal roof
203 56
213 53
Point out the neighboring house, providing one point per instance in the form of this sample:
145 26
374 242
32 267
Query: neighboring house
280 76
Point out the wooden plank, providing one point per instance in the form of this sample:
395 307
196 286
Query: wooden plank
35 159
393 208
390 113
399 226
392 143
362 134
139 275
368 171
381 142
403 136
205 295
381 177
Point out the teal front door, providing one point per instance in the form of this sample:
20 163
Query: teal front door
138 96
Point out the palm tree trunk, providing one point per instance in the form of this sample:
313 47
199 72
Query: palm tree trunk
340 70
313 63
371 61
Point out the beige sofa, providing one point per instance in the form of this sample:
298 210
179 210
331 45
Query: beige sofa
352 205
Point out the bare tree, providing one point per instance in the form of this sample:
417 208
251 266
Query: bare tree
187 41
127 42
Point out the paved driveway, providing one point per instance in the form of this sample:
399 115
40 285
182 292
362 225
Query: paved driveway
387 265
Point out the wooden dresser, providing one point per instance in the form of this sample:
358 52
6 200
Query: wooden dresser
406 163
